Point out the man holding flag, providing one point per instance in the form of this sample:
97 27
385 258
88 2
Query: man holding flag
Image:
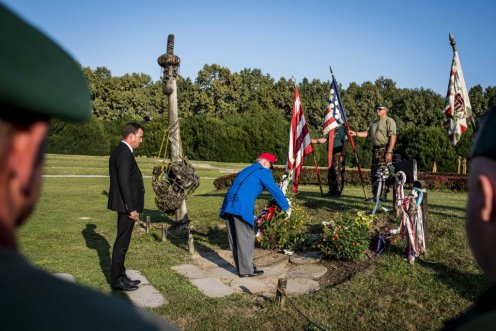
382 135
337 144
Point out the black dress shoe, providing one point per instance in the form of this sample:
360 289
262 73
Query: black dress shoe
123 286
132 282
254 274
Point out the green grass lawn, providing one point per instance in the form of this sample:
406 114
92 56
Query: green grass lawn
72 231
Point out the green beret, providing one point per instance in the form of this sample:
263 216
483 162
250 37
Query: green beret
485 140
36 75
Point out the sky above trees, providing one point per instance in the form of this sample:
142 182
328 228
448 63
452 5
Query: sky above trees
406 41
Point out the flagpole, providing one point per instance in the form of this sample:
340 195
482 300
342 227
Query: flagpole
318 175
349 135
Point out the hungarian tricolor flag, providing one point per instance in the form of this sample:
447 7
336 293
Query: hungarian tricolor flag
458 108
300 144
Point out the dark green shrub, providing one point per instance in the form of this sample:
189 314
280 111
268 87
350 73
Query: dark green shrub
81 139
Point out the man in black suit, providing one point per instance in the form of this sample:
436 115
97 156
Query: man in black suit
126 197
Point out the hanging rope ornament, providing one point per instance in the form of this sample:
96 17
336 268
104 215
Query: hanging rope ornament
172 181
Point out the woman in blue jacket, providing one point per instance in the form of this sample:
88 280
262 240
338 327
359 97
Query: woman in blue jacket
239 206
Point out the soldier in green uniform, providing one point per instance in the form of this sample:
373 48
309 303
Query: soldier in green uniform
335 174
481 224
40 81
382 135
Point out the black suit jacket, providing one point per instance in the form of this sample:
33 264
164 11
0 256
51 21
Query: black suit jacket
127 191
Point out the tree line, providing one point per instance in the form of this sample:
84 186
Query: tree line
232 116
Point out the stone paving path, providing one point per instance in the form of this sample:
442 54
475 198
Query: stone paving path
145 296
214 273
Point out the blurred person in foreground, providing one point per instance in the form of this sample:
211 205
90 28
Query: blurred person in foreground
238 210
481 224
40 81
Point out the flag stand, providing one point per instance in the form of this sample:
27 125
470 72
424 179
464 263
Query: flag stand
318 174
350 136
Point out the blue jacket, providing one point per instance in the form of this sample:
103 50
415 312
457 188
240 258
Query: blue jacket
250 182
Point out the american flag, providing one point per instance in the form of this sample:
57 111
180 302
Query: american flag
333 115
458 108
300 143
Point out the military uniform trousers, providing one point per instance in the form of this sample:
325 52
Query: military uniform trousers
335 175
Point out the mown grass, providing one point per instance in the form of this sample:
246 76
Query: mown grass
72 231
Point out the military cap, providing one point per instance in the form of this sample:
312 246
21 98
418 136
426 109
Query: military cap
380 105
36 75
485 140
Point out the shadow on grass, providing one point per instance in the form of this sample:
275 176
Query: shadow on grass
99 243
219 194
448 208
467 285
314 200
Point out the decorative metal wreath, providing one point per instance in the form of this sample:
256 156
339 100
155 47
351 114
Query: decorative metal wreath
172 183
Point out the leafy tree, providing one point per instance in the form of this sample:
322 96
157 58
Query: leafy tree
478 100
491 96
314 98
101 85
283 96
418 108
231 116
216 95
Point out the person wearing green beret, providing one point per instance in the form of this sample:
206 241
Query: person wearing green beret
480 224
40 81
335 174
382 134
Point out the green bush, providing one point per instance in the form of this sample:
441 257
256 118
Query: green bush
277 232
347 238
81 139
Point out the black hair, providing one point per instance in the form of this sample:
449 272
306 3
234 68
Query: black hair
131 127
